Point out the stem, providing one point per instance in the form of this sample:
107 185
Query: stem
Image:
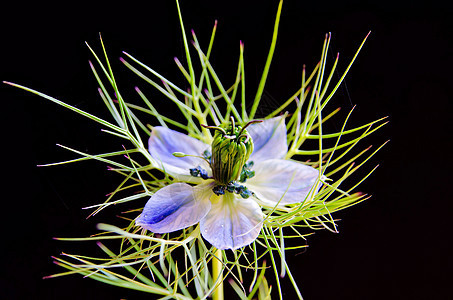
217 274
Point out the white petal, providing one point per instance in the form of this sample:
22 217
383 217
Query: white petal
277 178
163 142
175 207
269 139
232 222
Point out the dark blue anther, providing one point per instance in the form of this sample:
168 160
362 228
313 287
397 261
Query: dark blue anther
194 172
203 173
246 172
232 186
198 171
219 190
239 188
245 193
207 155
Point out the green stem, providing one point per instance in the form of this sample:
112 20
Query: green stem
217 274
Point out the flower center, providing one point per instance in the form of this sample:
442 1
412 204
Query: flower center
231 148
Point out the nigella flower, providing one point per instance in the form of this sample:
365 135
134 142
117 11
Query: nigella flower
230 180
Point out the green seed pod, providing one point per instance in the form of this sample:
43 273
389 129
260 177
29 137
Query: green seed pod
230 152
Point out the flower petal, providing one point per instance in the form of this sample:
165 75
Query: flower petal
269 139
164 142
232 222
175 207
277 178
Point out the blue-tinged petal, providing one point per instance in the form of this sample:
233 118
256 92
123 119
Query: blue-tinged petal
175 207
163 142
277 178
269 139
232 222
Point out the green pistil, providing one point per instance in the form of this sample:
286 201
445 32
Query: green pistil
249 123
231 148
215 128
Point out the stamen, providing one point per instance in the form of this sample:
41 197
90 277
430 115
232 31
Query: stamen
207 155
246 193
198 171
243 191
180 154
233 187
219 190
247 172
203 174
194 172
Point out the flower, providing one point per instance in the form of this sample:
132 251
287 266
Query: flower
228 206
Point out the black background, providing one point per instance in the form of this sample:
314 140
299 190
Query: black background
397 245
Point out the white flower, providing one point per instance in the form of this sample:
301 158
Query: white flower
233 219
